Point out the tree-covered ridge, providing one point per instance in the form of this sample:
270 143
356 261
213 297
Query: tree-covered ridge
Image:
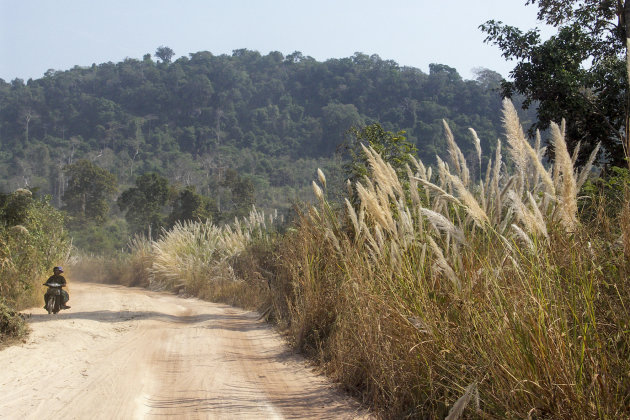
195 117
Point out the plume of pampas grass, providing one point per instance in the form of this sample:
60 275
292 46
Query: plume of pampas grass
507 219
321 177
442 194
441 265
373 247
452 147
521 211
587 168
422 172
331 236
477 143
405 232
520 234
441 223
539 220
565 180
471 205
535 158
444 173
493 191
19 229
318 191
515 138
456 412
380 237
507 187
456 155
482 197
371 204
353 217
576 152
383 172
532 219
423 255
486 182
413 187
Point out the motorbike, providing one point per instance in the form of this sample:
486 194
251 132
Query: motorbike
54 298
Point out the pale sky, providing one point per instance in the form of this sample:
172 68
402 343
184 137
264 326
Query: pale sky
37 35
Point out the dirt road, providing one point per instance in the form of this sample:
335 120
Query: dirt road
125 353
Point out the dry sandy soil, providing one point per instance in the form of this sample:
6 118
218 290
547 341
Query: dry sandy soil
125 353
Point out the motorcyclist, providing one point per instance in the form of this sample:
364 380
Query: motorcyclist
58 278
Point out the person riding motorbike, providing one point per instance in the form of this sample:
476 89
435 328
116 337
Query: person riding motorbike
58 278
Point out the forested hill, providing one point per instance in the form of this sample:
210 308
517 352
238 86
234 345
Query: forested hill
271 118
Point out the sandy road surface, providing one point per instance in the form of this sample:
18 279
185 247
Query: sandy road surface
125 353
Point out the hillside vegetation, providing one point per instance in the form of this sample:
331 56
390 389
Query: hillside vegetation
271 118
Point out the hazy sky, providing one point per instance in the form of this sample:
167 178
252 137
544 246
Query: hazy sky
37 35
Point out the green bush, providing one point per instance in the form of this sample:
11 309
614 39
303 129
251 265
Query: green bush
32 241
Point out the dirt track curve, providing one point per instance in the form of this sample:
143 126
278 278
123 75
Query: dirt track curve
128 353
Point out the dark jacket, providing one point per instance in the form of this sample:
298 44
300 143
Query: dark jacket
56 278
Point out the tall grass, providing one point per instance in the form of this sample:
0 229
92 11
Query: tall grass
194 258
443 286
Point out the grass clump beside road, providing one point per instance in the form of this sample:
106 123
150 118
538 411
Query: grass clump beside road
194 259
438 288
439 293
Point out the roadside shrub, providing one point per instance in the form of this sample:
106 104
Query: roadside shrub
30 249
12 325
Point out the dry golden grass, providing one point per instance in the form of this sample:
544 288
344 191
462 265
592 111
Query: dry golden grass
193 258
521 299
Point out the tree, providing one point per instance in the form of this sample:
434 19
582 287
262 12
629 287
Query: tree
164 53
395 149
143 203
337 120
579 74
89 191
242 195
14 207
190 205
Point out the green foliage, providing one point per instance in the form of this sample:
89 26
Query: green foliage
106 238
273 119
394 148
608 193
89 191
29 250
190 206
241 197
164 53
143 203
578 74
14 207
